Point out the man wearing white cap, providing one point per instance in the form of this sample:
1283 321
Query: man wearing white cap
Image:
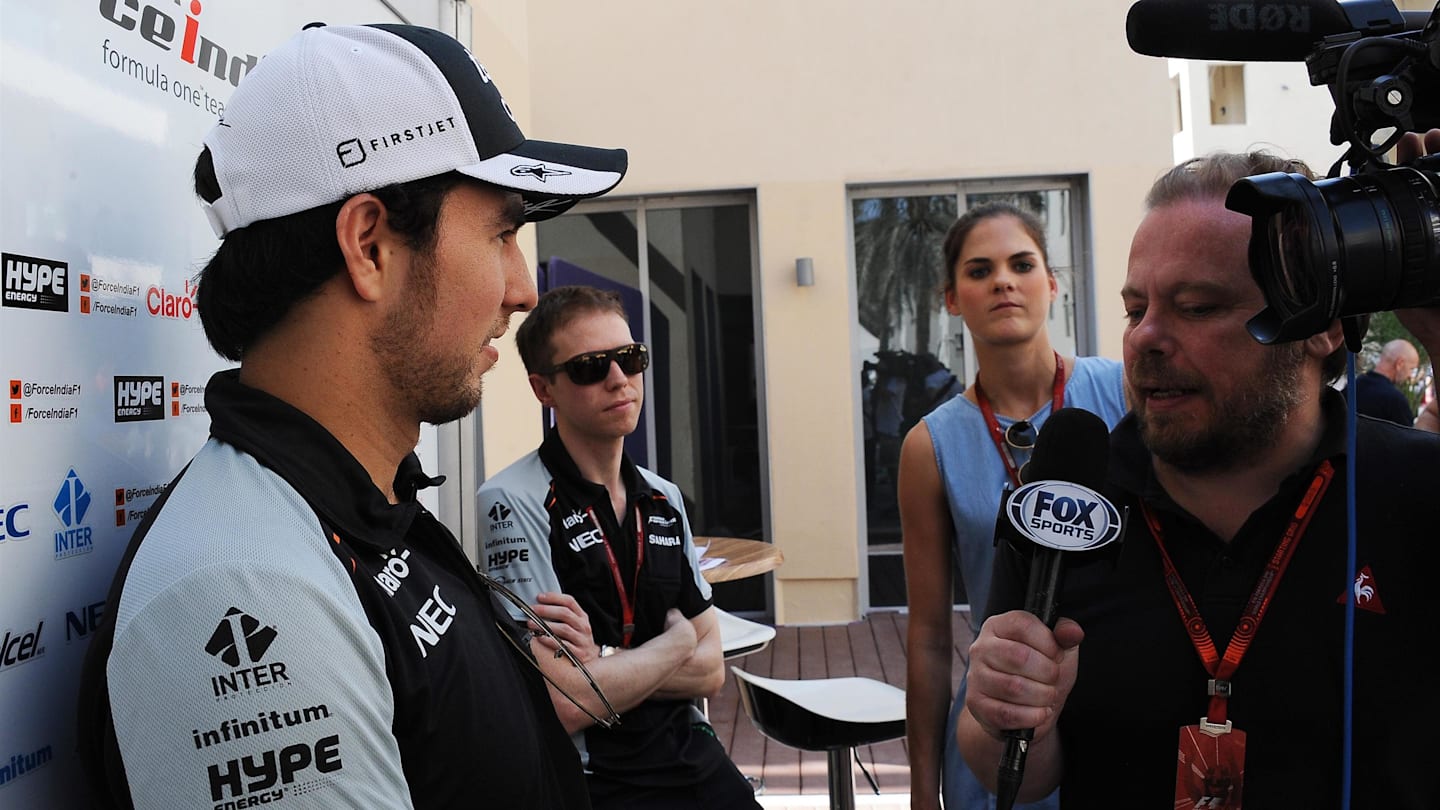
289 623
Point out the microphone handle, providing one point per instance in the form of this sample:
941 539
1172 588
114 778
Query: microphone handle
1045 570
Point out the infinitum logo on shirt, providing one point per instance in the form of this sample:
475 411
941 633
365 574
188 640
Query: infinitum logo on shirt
241 641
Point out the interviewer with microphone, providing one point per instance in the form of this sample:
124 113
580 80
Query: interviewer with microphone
1205 668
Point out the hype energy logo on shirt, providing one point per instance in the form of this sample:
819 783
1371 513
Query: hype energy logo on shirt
1063 515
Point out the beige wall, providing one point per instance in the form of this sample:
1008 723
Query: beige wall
797 99
510 426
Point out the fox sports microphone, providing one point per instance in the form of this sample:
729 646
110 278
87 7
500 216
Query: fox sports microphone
1057 509
1256 30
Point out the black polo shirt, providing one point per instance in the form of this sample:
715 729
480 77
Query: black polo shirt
1140 679
548 530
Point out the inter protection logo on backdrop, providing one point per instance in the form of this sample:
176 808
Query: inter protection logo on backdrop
71 504
35 283
139 399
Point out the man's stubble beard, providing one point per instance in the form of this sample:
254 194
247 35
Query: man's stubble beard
1244 426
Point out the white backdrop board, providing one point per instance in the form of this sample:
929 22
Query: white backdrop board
103 104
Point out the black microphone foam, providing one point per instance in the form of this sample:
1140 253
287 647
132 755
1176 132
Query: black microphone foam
1074 446
1246 30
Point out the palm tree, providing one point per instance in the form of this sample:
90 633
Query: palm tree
898 262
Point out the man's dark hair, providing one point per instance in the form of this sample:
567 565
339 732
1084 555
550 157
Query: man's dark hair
1209 177
960 231
262 270
556 309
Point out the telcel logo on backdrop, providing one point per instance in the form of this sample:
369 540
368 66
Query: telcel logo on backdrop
18 646
139 399
71 504
34 283
1063 515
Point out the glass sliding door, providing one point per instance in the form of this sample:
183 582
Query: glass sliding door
691 262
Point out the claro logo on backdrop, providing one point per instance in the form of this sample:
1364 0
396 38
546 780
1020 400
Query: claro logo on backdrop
161 30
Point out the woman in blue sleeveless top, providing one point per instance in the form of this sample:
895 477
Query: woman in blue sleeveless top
955 464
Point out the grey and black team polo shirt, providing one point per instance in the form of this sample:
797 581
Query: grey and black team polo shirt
545 528
281 635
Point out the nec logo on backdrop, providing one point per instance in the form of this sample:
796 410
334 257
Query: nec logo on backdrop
34 283
139 398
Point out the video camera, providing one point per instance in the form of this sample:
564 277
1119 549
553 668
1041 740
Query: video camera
1342 247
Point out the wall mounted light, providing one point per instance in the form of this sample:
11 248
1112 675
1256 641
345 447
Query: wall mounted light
805 271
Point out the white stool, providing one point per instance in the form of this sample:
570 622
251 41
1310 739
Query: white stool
825 714
740 637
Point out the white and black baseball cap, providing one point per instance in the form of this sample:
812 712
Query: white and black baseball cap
339 110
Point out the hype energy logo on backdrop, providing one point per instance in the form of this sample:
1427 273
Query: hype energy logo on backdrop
34 283
139 399
71 505
1063 515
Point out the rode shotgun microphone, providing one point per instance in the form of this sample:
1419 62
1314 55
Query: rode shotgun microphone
1057 509
1257 30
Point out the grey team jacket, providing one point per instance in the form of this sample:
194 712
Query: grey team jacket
278 634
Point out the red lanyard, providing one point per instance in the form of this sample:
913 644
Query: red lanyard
627 598
1221 669
1057 401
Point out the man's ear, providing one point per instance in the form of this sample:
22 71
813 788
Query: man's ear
1323 344
365 239
541 387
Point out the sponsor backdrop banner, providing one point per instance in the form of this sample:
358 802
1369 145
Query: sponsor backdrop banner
102 356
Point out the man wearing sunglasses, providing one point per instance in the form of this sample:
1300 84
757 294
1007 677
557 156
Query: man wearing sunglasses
602 550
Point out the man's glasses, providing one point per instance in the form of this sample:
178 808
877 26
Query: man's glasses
1020 435
592 367
522 645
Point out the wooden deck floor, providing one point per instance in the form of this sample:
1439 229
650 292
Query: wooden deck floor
874 648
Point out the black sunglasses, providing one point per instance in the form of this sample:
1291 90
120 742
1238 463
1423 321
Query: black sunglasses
1020 435
592 367
608 717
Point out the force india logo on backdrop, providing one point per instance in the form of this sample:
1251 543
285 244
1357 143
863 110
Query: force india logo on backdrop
158 28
